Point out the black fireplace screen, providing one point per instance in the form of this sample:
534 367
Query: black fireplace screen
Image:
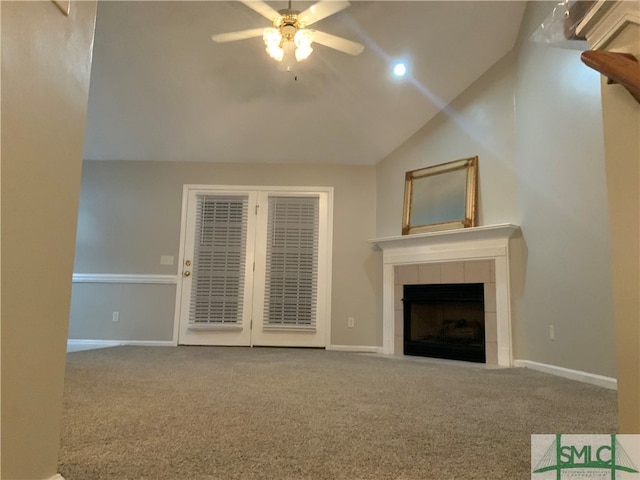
445 321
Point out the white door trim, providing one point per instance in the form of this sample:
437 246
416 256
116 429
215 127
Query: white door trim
256 188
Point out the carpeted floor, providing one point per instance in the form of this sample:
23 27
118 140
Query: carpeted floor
204 413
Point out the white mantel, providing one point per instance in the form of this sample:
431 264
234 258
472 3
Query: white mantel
489 242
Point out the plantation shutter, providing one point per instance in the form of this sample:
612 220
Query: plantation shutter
292 263
219 261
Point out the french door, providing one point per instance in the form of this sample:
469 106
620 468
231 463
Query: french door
255 266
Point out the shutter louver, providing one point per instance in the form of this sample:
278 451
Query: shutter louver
219 261
292 263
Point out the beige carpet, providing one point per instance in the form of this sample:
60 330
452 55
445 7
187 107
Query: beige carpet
201 413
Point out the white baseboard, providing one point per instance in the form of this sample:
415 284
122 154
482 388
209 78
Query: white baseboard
148 343
79 345
76 345
586 377
57 476
125 278
355 348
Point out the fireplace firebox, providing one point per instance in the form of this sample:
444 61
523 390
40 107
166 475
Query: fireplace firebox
445 321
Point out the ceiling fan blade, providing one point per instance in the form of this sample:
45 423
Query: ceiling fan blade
239 35
322 9
338 43
262 8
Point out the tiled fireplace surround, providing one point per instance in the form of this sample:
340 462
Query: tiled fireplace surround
472 271
469 255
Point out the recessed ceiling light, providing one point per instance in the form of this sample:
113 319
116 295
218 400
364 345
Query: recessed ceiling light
399 69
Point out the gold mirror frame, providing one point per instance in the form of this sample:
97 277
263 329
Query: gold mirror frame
441 197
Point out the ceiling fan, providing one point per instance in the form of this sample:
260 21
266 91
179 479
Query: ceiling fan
289 33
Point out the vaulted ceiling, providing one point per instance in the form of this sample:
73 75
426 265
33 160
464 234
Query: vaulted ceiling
161 89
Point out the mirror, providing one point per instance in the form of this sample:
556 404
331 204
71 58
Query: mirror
441 197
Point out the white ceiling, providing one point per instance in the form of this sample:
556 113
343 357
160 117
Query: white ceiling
162 90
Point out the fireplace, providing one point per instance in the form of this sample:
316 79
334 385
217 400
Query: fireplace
445 321
454 255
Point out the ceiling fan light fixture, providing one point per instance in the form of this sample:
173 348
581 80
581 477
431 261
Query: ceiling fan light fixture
272 36
303 52
272 40
302 40
276 53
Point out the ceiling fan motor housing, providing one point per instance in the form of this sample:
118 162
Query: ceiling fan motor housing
288 24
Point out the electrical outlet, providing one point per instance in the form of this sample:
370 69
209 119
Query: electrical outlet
115 317
351 321
552 333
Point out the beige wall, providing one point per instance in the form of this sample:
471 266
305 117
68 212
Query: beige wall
130 216
479 122
145 312
534 121
46 59
621 115
562 189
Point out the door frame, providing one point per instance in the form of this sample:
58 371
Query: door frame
186 188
